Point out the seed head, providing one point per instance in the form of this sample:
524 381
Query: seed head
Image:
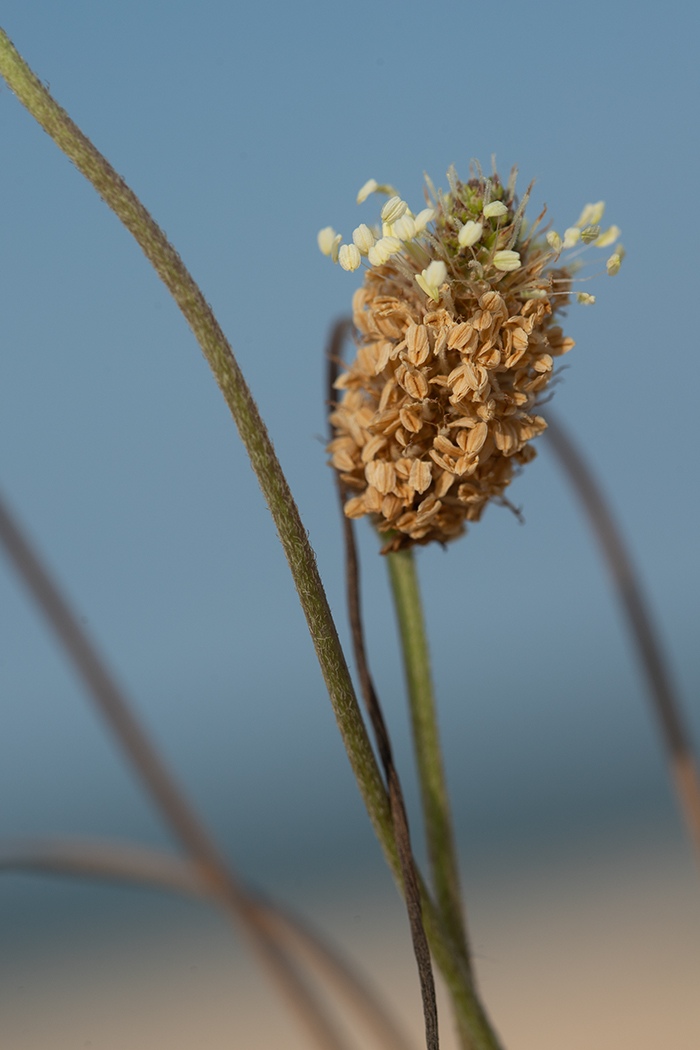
457 335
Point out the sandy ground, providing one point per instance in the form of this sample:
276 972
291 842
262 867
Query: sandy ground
592 951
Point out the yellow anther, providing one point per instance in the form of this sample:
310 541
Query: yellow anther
495 210
554 241
423 218
363 238
507 261
470 233
590 234
591 214
608 236
371 186
431 278
349 257
325 239
571 236
613 264
393 210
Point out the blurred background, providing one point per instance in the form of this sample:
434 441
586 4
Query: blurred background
244 129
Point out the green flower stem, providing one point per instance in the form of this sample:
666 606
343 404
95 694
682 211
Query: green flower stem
217 351
426 741
198 314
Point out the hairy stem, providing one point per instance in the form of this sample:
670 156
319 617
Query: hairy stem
217 351
426 742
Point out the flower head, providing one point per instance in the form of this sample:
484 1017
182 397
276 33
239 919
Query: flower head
457 323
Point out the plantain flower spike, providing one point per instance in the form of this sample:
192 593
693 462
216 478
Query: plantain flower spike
458 329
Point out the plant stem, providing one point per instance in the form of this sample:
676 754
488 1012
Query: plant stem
426 742
217 351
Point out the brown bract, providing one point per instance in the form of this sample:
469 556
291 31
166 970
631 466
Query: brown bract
438 407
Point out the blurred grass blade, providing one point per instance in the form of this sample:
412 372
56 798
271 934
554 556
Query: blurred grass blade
124 862
111 861
667 708
162 787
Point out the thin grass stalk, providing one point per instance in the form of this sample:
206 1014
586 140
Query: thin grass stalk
474 1028
381 732
217 351
652 659
426 742
162 786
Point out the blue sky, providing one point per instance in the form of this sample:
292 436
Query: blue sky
245 129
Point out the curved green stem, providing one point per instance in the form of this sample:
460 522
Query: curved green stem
216 349
426 742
